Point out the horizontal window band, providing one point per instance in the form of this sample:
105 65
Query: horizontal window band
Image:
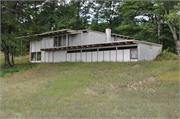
127 47
104 49
73 51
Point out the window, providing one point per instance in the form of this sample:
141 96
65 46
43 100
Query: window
38 55
64 40
59 41
134 53
129 47
68 40
55 42
73 51
33 56
89 50
103 49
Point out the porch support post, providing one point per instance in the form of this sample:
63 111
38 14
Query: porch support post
66 39
30 51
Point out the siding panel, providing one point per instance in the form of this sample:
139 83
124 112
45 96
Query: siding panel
78 57
84 56
100 56
88 56
94 56
126 55
113 56
106 56
68 57
119 55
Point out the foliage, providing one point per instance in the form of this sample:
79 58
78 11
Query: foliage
129 29
155 28
15 22
18 67
166 55
22 18
173 14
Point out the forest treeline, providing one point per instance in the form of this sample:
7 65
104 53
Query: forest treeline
153 21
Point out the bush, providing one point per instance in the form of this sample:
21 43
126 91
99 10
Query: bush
166 55
16 68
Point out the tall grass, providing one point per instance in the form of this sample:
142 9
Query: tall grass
18 66
144 89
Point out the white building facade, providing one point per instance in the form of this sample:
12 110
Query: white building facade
90 46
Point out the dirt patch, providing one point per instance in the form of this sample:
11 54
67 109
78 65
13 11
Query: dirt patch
66 72
139 85
150 79
90 91
99 88
2 113
136 65
111 89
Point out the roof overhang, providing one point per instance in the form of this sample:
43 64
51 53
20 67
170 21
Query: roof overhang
52 33
122 36
114 43
125 42
72 32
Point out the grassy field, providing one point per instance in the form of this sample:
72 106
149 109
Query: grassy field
145 89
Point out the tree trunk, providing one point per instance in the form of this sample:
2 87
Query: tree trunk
159 29
175 39
12 60
163 40
173 30
7 62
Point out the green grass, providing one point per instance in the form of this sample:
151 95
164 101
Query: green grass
144 89
18 67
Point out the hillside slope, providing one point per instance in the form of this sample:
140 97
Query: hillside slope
145 89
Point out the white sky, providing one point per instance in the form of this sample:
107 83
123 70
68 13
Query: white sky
145 17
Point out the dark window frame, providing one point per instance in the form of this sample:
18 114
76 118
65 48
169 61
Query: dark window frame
89 50
32 56
36 56
107 49
74 51
136 53
55 41
130 47
59 40
64 40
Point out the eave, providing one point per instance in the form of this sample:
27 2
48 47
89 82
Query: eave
125 42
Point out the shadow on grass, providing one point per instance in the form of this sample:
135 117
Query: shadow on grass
20 64
16 68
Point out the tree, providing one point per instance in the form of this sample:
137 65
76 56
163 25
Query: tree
155 29
15 22
171 10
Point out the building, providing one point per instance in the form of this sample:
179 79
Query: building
90 46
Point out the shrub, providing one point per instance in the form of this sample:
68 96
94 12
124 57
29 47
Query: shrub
166 55
16 68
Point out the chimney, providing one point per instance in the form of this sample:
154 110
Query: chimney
108 34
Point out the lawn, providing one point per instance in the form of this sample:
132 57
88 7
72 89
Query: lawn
144 89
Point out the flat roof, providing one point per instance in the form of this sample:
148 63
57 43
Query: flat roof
124 42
